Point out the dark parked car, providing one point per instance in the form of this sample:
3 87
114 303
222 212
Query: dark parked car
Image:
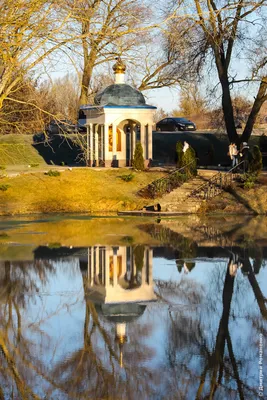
175 124
61 127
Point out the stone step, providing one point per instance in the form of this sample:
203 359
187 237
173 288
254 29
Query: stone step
179 201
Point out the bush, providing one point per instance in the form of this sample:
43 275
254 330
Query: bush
179 154
4 235
139 252
52 173
127 177
4 187
2 167
34 165
138 161
255 165
190 157
249 180
54 245
164 185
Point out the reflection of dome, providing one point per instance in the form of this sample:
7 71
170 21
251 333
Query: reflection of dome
119 313
120 94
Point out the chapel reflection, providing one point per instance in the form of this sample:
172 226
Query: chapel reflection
119 282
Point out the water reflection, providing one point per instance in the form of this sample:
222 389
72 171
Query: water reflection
118 280
176 320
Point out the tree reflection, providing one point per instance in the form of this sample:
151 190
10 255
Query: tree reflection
196 366
115 357
193 358
18 282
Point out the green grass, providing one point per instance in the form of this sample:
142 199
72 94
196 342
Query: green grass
79 190
18 150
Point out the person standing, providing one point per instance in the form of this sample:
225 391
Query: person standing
244 153
230 151
186 147
234 155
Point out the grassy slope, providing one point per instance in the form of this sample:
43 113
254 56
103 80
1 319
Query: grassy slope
81 190
240 200
18 149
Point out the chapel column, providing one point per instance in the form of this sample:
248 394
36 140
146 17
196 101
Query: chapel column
91 145
90 265
114 141
149 145
96 146
107 269
102 142
88 147
144 269
106 145
97 264
150 266
142 140
133 135
115 265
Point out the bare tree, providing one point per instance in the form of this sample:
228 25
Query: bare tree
105 29
220 33
30 32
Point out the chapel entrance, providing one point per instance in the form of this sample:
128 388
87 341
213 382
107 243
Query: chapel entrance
131 130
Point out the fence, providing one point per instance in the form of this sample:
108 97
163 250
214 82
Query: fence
168 183
217 183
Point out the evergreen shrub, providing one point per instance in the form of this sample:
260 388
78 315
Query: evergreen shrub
190 157
138 161
4 187
179 154
52 173
139 252
255 165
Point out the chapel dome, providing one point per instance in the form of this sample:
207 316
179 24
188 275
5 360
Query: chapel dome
121 313
120 94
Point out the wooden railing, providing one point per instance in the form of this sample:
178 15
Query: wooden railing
170 182
218 182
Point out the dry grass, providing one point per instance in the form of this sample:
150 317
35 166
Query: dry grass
241 201
79 190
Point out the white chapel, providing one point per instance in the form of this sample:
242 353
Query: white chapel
118 119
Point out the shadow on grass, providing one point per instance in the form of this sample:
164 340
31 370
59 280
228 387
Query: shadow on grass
241 200
59 150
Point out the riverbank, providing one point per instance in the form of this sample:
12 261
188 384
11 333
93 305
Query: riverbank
81 190
87 190
239 200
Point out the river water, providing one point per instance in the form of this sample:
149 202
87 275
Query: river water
112 308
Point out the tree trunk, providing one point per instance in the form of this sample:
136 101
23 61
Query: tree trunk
218 353
261 300
228 112
86 80
89 59
259 100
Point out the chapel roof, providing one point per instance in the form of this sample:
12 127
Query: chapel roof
120 94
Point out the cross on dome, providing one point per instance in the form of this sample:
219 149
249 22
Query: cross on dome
119 67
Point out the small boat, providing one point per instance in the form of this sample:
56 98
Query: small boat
145 213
